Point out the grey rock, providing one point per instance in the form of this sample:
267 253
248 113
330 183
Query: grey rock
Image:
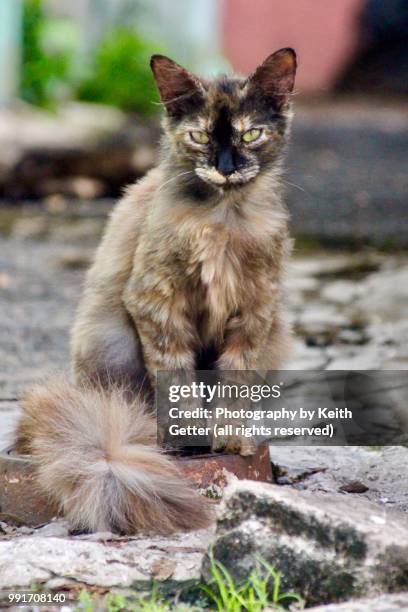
348 357
40 288
328 468
327 548
354 486
131 561
56 529
312 361
352 336
303 284
350 173
9 413
307 357
332 266
36 312
27 127
385 296
382 603
64 154
394 336
320 316
9 530
341 292
320 323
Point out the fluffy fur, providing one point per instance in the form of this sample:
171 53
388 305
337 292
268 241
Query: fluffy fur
191 264
188 275
96 456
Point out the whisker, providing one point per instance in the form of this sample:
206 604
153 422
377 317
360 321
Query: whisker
286 94
173 178
294 185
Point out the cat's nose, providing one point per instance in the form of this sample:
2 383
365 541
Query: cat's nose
225 162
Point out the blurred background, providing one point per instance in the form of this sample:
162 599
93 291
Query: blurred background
79 109
79 120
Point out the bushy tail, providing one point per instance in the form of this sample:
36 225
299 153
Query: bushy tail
96 457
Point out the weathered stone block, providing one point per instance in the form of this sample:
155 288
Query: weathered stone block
384 603
101 560
328 548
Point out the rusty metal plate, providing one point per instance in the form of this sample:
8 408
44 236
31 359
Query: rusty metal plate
21 503
207 470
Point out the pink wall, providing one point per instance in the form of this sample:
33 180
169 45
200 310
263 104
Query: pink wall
323 32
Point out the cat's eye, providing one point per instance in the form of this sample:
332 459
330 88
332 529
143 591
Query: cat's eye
200 137
251 135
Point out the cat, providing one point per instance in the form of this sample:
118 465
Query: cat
188 275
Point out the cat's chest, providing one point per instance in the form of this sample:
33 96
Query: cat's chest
217 271
213 258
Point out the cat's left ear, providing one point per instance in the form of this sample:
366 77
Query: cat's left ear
180 91
275 78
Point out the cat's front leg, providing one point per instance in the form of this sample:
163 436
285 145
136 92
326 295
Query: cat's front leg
161 313
228 429
169 343
230 437
239 355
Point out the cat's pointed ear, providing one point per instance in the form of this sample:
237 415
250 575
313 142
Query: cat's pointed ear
180 91
275 77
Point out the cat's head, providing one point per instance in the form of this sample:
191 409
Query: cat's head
226 131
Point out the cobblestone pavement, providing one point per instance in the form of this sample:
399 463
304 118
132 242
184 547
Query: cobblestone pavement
349 310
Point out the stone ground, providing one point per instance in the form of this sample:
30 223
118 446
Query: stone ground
346 171
349 311
346 174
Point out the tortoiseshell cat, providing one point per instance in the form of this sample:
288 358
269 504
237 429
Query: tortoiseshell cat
188 274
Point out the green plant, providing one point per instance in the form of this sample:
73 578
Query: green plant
254 595
115 602
261 590
85 602
152 603
47 52
121 74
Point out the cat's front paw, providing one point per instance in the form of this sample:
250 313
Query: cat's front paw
237 445
228 431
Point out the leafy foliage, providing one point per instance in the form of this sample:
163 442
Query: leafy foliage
121 74
47 51
116 72
261 590
85 602
154 603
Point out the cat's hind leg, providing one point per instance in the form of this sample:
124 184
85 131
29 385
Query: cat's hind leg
106 350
